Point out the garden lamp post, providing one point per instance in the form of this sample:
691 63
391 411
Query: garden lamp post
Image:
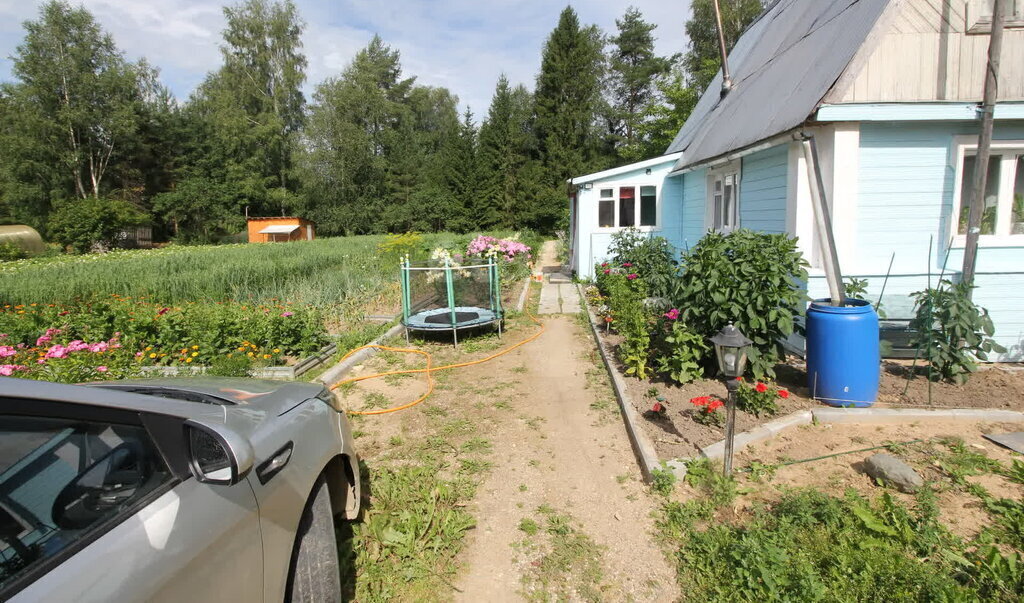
731 350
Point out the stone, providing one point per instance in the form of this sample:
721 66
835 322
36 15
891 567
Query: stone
890 470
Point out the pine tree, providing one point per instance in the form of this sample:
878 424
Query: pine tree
634 72
567 99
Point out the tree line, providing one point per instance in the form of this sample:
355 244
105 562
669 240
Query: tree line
90 140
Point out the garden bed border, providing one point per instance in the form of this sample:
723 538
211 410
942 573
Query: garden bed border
868 416
644 449
267 372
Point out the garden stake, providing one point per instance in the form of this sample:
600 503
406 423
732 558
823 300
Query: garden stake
885 282
730 423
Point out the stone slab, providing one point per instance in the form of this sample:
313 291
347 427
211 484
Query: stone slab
559 278
1014 441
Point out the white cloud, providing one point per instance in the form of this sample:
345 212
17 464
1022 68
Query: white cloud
460 44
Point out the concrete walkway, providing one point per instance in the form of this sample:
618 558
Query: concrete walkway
557 293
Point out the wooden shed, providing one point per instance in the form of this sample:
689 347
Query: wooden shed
280 230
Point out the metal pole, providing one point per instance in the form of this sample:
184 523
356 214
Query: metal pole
451 299
730 423
976 201
726 79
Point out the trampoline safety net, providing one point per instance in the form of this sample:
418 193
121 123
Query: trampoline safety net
443 295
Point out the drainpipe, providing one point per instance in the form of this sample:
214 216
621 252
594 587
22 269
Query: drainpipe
726 79
823 220
976 201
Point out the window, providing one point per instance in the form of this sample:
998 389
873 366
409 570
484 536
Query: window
606 208
627 206
979 15
62 481
723 205
1002 215
622 207
648 206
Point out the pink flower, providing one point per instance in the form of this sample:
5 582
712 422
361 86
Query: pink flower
287 314
57 351
77 345
633 276
96 348
101 369
672 314
627 264
43 339
607 271
138 354
7 351
41 361
6 370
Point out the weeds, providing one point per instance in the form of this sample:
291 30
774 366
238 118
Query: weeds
567 564
663 480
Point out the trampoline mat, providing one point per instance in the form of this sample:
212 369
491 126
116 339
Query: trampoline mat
441 318
446 318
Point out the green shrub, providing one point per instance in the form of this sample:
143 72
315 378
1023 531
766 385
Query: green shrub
653 258
10 252
759 398
952 331
680 350
750 279
83 223
632 320
663 479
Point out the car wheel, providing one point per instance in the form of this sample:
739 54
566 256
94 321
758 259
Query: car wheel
315 574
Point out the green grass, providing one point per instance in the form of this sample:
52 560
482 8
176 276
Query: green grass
812 546
566 563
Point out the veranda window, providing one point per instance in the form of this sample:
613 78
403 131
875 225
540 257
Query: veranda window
1003 202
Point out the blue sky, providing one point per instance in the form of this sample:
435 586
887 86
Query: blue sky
460 44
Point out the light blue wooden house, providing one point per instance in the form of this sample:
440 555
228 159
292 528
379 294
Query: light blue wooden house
890 90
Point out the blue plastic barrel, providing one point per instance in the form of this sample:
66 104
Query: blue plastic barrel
843 361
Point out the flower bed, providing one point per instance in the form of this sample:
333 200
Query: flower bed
213 334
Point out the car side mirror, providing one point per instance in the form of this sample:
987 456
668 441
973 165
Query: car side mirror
217 456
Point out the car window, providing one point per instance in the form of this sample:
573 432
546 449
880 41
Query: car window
63 481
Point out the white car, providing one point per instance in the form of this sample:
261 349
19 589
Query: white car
181 490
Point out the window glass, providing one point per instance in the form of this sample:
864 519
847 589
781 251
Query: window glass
729 203
61 479
988 214
648 206
606 213
1017 217
627 206
607 193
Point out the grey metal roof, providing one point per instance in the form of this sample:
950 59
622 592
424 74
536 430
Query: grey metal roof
782 66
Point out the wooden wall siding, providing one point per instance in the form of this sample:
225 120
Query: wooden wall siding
926 55
672 211
694 190
906 197
763 190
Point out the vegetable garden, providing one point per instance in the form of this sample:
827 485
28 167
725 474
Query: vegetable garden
229 308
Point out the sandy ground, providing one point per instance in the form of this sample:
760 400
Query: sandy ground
557 440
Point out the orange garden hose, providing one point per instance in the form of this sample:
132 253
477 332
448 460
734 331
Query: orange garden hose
428 370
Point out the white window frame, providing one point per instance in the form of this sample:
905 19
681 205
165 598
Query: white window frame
732 169
636 185
979 15
1009 150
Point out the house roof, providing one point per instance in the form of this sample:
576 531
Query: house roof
280 229
782 67
625 168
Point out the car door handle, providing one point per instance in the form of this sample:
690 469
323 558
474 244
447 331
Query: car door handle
272 466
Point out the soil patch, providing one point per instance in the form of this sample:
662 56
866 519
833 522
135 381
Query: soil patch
960 511
677 435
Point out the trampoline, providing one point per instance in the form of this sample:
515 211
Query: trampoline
446 296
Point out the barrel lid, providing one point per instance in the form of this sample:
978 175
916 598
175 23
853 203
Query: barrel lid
852 306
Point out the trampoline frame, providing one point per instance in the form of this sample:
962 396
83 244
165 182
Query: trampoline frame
493 314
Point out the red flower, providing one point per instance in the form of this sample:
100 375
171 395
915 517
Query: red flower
604 265
783 393
163 311
632 276
627 264
714 405
740 379
761 387
607 271
700 400
658 408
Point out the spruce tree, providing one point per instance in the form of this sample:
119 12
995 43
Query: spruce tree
703 60
567 99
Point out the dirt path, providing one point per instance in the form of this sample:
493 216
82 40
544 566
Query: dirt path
567 453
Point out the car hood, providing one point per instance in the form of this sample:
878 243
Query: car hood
245 400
